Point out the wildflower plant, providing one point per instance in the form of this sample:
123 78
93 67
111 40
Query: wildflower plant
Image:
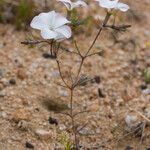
55 28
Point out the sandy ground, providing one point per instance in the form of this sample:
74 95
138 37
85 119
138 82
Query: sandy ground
29 94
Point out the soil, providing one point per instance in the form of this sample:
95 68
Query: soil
32 103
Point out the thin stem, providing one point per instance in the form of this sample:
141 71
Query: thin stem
99 32
62 75
72 119
77 48
30 42
81 112
96 53
78 73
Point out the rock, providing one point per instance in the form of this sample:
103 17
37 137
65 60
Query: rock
53 121
62 127
101 94
23 125
43 134
84 131
21 74
2 93
1 86
54 74
21 114
131 120
48 56
1 73
97 79
12 81
4 81
146 91
148 113
143 86
129 148
134 125
63 93
3 114
29 145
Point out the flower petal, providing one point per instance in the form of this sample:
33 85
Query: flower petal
60 37
109 4
59 20
64 30
123 7
48 34
43 20
67 3
79 3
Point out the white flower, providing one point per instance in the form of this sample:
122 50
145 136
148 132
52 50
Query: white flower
71 5
52 25
113 4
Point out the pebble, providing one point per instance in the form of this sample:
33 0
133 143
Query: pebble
3 114
84 131
12 81
1 73
97 79
29 145
2 93
4 81
19 61
1 86
48 56
146 91
43 134
23 125
62 127
63 93
54 74
129 148
53 121
101 94
143 86
148 113
131 120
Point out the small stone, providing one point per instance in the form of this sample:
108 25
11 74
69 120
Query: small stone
146 91
53 121
97 79
54 74
43 134
1 73
2 93
22 74
1 86
131 120
48 56
23 125
63 93
84 131
100 93
12 81
3 114
29 145
148 114
129 148
143 86
62 127
4 81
